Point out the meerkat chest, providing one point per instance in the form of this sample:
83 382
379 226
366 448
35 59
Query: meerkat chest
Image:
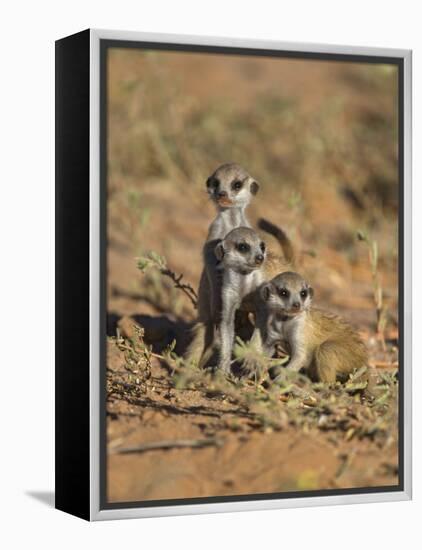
226 221
276 329
252 282
236 286
290 330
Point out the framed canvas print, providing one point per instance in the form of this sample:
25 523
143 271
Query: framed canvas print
233 281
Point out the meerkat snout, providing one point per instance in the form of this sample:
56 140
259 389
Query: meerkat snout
231 186
259 258
242 250
288 293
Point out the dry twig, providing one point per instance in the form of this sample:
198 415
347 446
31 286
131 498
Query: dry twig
152 259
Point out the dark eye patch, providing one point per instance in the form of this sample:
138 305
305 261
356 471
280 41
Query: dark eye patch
213 183
262 246
236 185
243 247
284 292
303 293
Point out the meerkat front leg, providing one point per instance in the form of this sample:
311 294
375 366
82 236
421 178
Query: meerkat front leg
226 332
261 343
298 362
300 354
299 358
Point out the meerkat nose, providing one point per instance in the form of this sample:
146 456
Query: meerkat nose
259 258
296 305
221 194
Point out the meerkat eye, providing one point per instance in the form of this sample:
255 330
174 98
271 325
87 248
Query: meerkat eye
262 247
303 293
243 247
283 292
236 185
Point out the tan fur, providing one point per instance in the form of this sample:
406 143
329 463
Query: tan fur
276 264
337 349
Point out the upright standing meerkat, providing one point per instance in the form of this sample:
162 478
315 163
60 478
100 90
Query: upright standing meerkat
231 189
324 345
240 255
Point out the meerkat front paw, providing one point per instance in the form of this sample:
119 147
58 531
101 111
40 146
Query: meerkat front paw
224 366
275 371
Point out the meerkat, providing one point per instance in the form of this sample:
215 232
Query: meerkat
231 188
322 344
240 255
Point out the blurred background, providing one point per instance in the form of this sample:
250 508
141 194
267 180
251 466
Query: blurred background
321 138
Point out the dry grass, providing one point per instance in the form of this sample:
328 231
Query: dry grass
346 408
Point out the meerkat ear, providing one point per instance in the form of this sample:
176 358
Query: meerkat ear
219 251
265 291
254 187
208 182
311 292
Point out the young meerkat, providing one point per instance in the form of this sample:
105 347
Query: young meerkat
322 344
240 255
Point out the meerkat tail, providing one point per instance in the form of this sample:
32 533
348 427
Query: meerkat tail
281 237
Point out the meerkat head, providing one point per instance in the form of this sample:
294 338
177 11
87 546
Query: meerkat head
288 293
231 186
242 250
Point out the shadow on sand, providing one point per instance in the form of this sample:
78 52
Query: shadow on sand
160 331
